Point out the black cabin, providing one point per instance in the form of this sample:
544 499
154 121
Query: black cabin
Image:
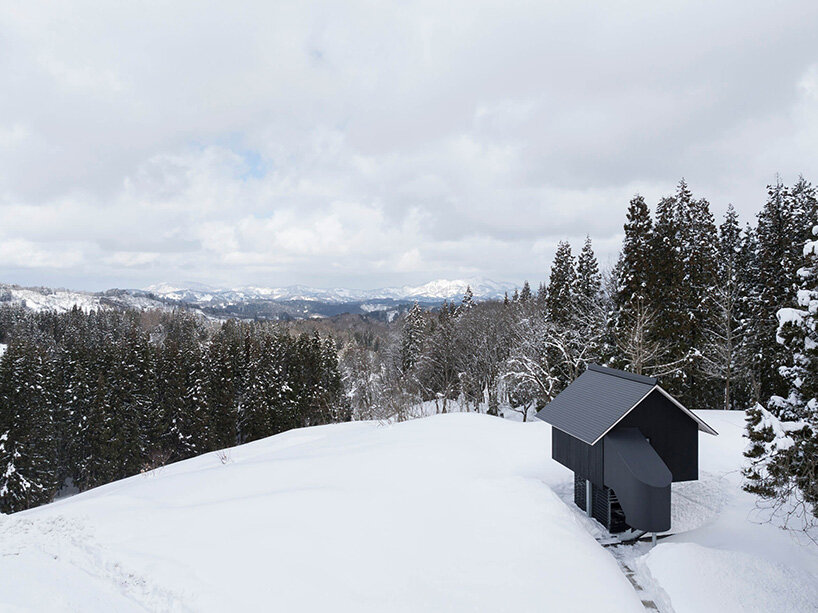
626 439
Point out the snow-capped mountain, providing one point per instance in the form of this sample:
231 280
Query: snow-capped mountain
295 301
430 292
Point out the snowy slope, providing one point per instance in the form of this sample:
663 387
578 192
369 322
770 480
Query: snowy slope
448 513
732 559
458 512
44 299
60 300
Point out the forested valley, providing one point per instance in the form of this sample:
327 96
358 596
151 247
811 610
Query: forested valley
88 398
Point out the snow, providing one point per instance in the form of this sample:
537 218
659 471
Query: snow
54 300
3 349
441 289
734 559
712 579
451 512
456 512
789 316
60 300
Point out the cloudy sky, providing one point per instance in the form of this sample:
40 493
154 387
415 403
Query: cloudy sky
365 144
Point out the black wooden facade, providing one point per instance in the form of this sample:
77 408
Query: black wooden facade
673 435
587 461
652 441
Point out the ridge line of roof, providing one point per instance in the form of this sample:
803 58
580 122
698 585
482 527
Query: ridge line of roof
622 374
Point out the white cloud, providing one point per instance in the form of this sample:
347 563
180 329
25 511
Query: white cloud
133 258
371 144
22 253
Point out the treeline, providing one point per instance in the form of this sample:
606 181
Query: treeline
88 398
690 300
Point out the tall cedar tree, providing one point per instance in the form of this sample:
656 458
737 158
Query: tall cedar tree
700 256
589 281
683 250
561 285
525 293
633 294
777 258
224 364
412 338
667 279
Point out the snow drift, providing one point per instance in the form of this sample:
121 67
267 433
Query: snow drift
458 512
445 513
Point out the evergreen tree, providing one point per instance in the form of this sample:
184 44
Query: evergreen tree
635 261
256 410
561 285
666 279
96 435
683 253
28 469
224 367
777 259
131 399
699 245
182 390
542 297
783 448
441 362
634 313
468 300
412 338
804 212
525 293
589 281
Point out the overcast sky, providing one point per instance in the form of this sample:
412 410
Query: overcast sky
365 144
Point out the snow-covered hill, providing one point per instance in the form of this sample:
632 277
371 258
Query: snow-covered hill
60 300
42 299
458 512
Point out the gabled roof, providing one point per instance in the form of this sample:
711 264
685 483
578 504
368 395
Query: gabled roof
599 398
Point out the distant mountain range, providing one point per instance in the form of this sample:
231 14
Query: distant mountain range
296 301
434 291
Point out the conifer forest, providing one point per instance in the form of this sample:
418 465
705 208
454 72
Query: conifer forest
722 310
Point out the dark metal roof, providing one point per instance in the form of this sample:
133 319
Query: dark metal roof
598 399
623 374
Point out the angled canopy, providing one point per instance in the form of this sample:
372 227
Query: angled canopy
598 400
